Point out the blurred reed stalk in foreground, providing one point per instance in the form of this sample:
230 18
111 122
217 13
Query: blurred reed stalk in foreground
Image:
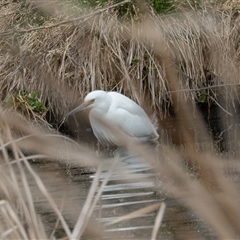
172 61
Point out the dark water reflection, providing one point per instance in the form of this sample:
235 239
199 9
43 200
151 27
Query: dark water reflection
69 187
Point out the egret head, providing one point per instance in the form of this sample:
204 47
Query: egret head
97 99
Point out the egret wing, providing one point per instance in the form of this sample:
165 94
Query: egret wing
134 125
120 101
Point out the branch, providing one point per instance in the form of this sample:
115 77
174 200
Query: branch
82 18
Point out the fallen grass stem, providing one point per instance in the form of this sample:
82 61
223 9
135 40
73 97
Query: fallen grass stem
84 213
158 221
135 214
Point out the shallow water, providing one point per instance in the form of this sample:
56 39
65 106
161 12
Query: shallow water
69 187
122 195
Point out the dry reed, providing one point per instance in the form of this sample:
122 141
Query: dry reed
175 62
93 52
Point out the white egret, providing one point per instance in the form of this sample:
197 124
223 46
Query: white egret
117 110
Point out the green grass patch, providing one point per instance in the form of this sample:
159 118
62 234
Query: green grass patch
27 103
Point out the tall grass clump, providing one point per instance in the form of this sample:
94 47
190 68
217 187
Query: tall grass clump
23 186
95 51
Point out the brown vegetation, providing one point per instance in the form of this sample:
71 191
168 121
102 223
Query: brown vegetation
57 54
167 63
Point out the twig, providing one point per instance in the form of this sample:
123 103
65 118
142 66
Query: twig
158 221
82 18
135 214
204 88
221 106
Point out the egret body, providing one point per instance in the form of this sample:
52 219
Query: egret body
120 111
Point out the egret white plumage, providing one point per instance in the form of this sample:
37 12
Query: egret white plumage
120 111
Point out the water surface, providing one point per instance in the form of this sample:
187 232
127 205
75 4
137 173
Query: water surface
69 187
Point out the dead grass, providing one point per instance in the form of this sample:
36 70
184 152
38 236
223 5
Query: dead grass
19 219
171 60
213 195
67 54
